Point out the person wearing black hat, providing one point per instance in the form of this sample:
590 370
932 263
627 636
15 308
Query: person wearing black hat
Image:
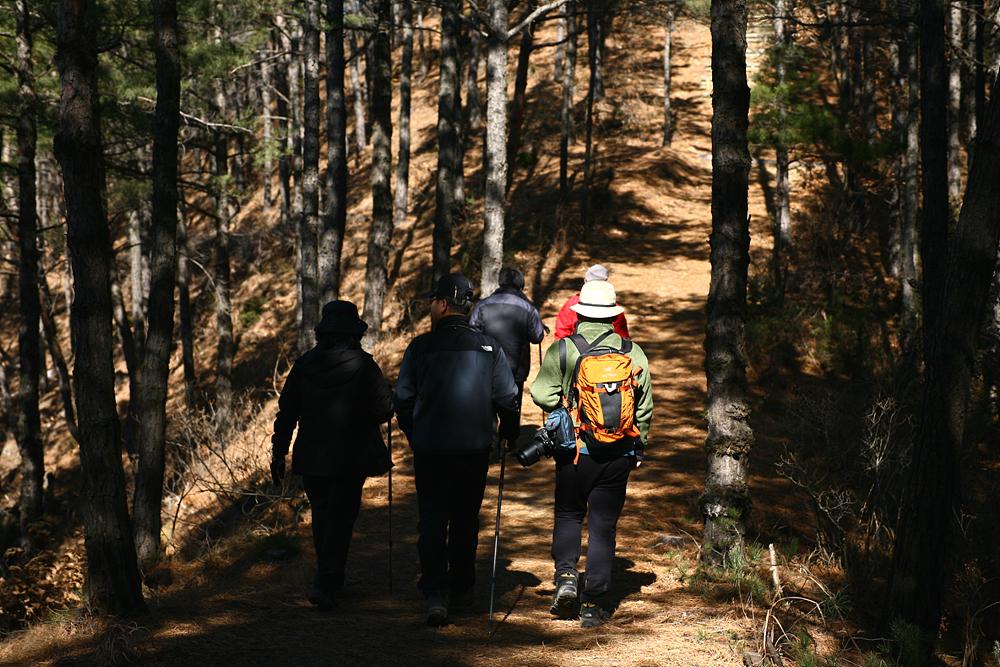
337 395
451 383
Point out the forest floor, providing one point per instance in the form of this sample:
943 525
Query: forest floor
233 605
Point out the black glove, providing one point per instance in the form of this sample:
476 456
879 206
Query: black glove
277 470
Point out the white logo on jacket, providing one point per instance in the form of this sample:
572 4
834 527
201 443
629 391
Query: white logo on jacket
487 348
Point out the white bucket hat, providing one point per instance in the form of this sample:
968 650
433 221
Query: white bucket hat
598 300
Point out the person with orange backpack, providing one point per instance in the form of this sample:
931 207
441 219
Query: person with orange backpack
603 381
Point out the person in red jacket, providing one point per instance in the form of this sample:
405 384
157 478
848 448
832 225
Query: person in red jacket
567 318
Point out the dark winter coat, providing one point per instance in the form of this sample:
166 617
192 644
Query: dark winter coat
450 382
338 398
513 321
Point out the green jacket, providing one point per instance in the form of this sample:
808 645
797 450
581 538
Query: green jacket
552 384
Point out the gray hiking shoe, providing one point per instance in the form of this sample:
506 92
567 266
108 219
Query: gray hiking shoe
437 610
593 616
564 599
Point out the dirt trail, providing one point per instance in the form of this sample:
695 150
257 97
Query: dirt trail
255 613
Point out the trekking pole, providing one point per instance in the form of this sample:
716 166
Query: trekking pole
389 429
496 536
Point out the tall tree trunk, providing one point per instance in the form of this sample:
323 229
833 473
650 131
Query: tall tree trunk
186 330
155 369
593 47
934 159
223 308
926 532
401 204
596 18
668 29
955 49
448 137
376 269
517 106
495 158
283 89
910 238
308 227
726 499
58 360
557 65
113 575
360 132
566 134
782 204
138 240
473 104
29 429
331 241
266 75
420 41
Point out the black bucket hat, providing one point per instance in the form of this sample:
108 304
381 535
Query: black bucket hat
452 286
341 317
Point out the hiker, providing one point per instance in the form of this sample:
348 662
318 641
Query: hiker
451 382
513 321
588 476
567 318
337 395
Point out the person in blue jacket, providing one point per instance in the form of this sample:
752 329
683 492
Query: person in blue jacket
451 382
512 321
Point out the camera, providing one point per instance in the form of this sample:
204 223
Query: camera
541 445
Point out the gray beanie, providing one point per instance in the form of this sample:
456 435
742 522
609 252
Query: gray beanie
596 272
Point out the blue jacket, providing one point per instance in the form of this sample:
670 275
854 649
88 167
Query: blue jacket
451 383
513 321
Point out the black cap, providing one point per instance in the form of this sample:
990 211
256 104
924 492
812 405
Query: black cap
341 317
452 286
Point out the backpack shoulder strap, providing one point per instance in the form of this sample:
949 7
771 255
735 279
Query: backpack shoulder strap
562 357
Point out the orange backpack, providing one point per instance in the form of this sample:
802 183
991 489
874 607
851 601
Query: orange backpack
602 393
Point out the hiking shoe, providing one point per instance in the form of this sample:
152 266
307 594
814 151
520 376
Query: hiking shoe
463 600
321 600
592 616
437 610
564 599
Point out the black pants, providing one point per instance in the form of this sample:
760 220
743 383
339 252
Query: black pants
336 502
599 486
450 487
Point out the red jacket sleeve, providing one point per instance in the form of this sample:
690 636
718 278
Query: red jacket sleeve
621 326
566 319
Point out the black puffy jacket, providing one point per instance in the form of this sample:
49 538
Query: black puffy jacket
514 322
451 382
338 398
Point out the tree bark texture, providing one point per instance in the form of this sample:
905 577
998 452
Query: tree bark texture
955 50
308 227
495 158
448 137
566 135
223 306
29 429
376 267
934 159
331 242
401 204
926 533
726 499
360 131
155 367
186 326
473 104
113 575
516 124
668 29
58 361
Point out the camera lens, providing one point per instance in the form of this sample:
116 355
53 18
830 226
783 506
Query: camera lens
531 453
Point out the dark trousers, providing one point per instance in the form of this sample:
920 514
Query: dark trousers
600 487
450 487
336 502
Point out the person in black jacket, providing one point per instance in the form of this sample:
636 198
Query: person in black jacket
451 383
508 316
337 395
